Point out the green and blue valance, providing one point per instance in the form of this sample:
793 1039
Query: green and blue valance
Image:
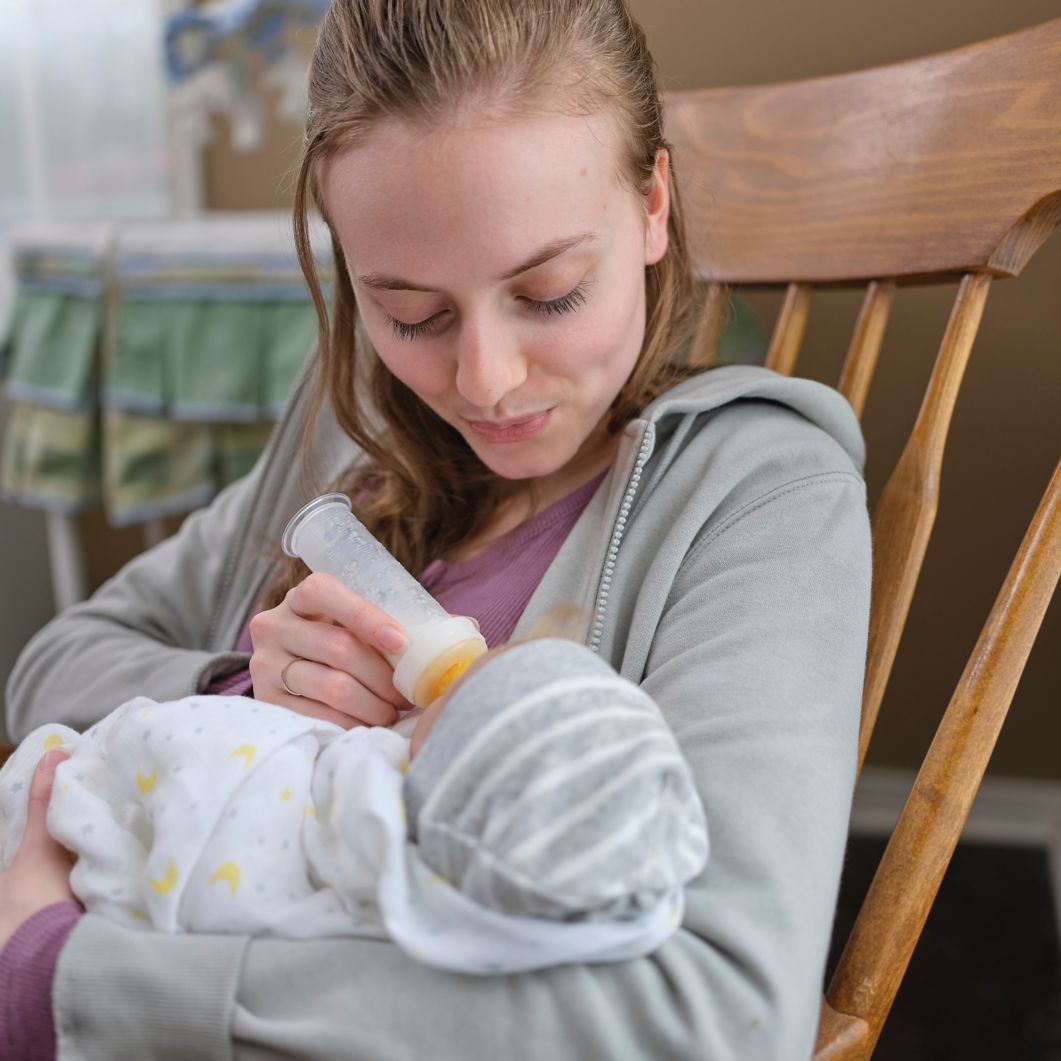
144 363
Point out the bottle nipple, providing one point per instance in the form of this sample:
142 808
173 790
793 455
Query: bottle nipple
448 677
445 669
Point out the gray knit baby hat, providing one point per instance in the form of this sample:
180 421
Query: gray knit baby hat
551 787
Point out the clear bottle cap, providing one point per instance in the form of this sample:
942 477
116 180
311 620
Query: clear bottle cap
296 522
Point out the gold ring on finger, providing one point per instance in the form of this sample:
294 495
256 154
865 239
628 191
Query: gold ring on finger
283 677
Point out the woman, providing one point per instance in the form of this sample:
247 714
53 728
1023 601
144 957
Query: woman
496 390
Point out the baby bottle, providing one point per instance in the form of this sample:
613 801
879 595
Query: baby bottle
331 539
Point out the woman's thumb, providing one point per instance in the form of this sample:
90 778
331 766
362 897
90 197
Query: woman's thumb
40 791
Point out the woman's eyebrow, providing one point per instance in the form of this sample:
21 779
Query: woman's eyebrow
539 257
549 251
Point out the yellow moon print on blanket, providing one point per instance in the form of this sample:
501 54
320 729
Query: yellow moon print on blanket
247 751
229 873
166 883
146 784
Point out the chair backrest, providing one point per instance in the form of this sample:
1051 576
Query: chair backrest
940 169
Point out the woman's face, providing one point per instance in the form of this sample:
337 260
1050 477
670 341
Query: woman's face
499 272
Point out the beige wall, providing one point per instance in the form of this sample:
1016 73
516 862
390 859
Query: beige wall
1005 433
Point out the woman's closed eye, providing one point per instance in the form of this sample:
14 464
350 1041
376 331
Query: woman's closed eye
415 330
546 307
564 304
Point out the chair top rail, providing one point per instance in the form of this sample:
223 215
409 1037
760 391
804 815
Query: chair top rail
917 171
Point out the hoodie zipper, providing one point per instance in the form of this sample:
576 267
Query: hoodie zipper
618 529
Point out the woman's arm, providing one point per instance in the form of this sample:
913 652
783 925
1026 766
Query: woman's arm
758 668
27 971
146 632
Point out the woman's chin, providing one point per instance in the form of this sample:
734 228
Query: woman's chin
516 460
518 469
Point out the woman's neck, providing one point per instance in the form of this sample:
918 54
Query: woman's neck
538 495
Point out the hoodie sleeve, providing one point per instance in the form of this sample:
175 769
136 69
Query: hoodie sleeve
145 632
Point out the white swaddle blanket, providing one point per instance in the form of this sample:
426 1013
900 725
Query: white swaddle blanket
226 814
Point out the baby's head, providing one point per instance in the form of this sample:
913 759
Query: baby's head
551 787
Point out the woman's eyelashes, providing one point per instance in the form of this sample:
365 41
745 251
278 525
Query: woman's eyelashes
564 304
417 329
548 307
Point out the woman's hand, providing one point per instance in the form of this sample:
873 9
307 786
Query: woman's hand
327 644
39 874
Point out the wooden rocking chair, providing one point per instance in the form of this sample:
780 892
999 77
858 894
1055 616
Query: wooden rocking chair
940 169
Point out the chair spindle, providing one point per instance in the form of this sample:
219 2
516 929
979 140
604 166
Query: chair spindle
789 328
902 521
861 360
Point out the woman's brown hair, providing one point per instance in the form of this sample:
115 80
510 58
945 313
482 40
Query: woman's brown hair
420 489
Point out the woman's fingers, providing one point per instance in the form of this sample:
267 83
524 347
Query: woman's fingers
323 663
323 597
319 691
324 644
333 696
335 647
313 709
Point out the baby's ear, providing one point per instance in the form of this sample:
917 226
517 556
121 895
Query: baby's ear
567 621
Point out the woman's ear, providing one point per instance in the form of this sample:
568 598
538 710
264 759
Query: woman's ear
657 209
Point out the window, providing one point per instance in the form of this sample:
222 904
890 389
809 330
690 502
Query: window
82 112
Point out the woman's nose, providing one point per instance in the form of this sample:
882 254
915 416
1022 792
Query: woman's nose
489 365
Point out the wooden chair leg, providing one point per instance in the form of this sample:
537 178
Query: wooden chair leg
841 1037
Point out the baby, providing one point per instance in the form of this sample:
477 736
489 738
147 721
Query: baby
541 813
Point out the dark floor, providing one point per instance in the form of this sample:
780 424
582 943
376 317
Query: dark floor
985 980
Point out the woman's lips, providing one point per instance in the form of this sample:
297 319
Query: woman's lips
517 430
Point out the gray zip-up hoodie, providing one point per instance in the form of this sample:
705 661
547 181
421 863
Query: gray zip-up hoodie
725 564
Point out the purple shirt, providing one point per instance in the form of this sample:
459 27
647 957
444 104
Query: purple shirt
496 583
494 586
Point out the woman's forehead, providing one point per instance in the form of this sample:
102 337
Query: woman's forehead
496 189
